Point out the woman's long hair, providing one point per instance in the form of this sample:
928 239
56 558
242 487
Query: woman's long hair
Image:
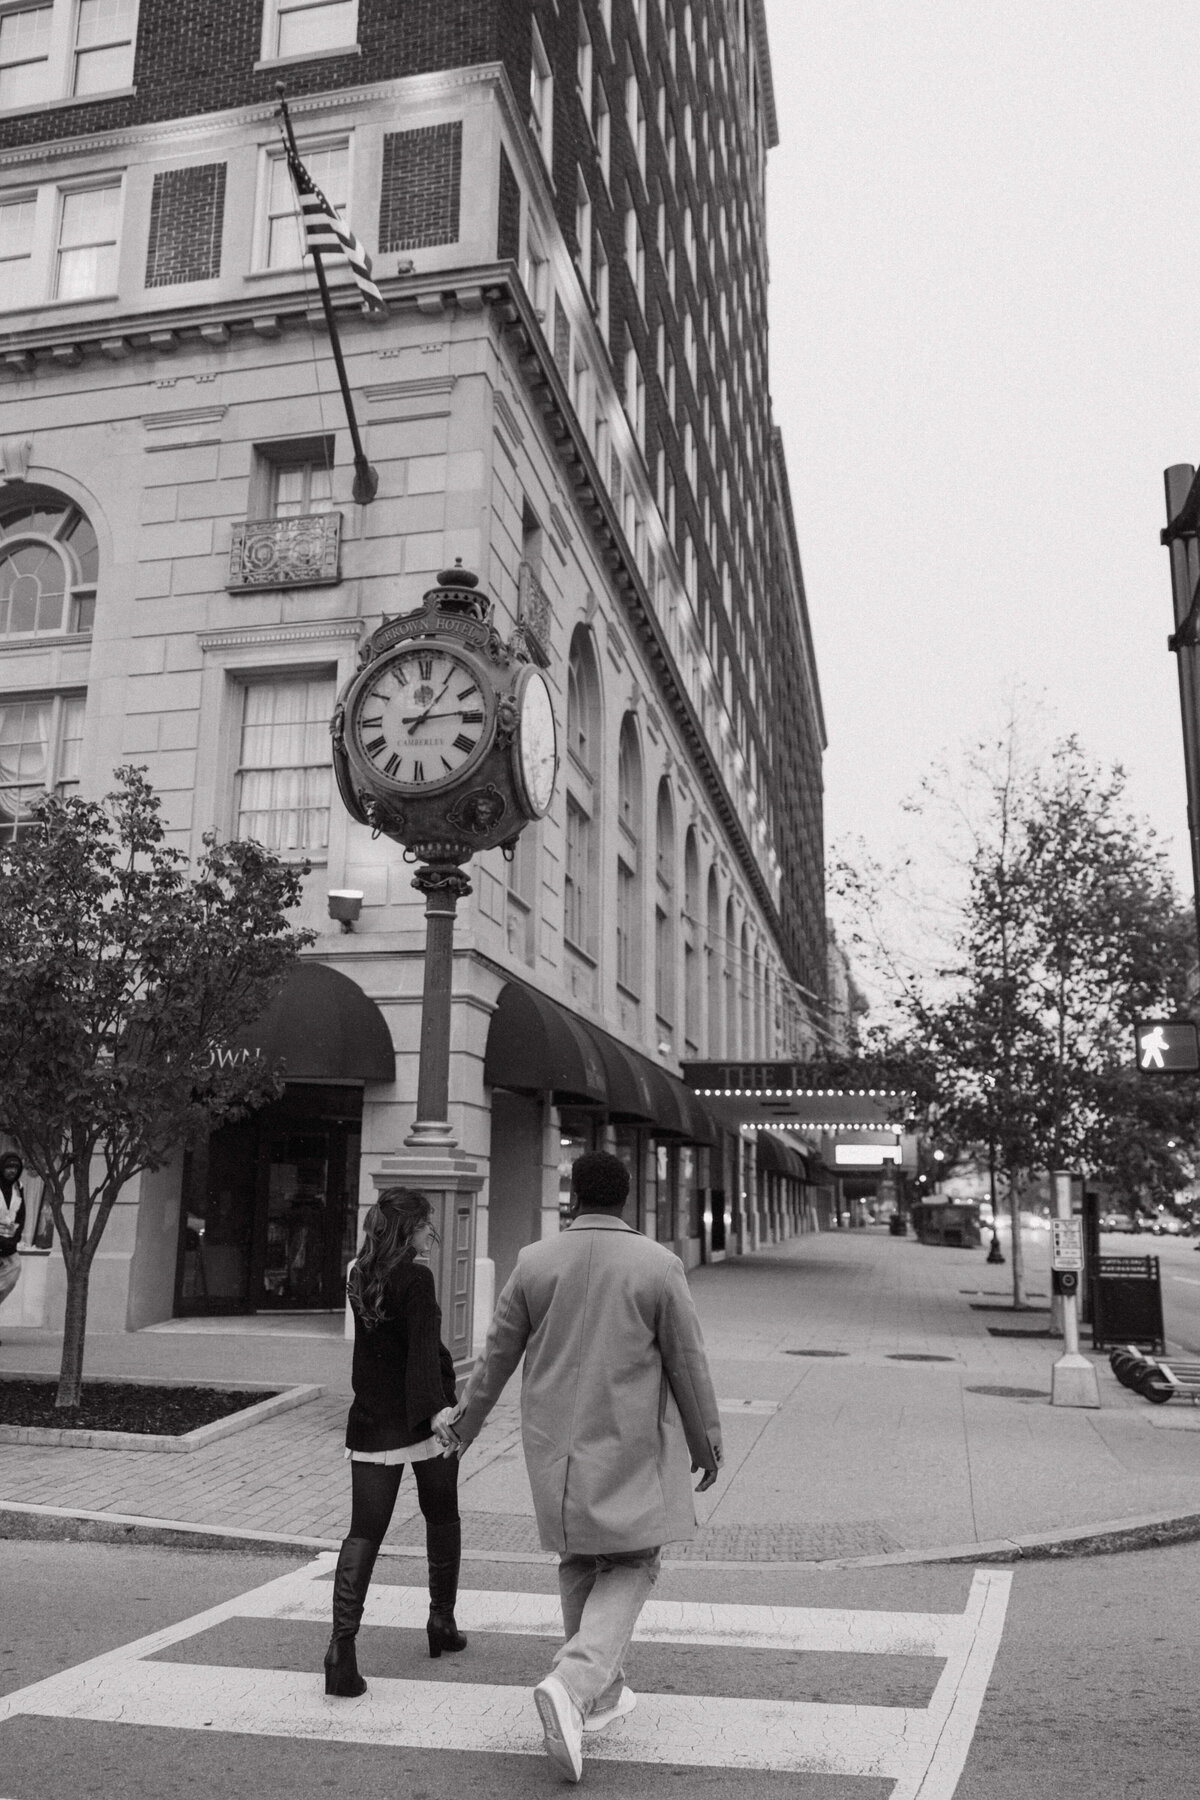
387 1242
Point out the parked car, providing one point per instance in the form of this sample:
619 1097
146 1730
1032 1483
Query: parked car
1116 1221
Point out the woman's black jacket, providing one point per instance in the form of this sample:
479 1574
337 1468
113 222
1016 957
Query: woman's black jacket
402 1372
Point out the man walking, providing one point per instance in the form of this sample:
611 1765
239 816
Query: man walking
616 1405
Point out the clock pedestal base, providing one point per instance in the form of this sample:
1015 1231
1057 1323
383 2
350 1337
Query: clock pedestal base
451 1182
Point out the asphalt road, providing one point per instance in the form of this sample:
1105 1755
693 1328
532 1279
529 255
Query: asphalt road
1079 1682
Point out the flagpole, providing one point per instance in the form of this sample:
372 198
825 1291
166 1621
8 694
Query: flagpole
366 478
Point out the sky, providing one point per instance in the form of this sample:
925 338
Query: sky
985 349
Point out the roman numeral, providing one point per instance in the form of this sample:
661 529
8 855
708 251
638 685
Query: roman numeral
471 718
418 771
448 766
425 664
373 724
468 691
391 765
463 742
375 745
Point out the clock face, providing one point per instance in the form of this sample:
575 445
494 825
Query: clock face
537 744
423 717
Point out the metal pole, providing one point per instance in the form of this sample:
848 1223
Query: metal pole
1073 1380
366 478
443 884
1185 576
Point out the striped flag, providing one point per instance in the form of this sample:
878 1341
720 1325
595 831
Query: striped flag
324 232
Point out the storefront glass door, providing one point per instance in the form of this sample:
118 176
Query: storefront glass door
270 1207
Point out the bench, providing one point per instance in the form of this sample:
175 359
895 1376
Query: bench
1157 1378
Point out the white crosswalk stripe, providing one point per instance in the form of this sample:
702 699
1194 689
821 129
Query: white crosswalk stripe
921 1749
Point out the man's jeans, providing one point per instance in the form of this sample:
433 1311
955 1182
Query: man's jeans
601 1599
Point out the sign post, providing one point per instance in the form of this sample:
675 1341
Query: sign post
1073 1379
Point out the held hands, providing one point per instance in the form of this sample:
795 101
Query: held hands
711 1470
444 1432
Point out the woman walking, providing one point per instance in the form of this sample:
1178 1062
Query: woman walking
12 1220
403 1381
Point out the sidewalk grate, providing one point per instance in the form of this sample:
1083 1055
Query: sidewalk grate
816 1353
917 1356
1017 1331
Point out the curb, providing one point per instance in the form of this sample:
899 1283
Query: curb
53 1524
203 1435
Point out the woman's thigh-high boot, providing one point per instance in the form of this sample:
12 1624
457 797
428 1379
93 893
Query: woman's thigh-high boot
351 1580
437 1486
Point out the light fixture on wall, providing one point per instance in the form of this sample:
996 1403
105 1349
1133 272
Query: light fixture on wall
345 905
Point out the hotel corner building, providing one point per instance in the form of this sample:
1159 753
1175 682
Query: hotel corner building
569 393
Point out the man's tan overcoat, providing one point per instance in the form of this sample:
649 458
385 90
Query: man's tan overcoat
616 1398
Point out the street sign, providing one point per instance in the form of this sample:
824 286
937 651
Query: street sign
1066 1244
1166 1044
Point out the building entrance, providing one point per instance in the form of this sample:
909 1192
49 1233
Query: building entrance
270 1207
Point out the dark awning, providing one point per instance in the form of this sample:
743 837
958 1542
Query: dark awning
535 1045
780 1158
322 1027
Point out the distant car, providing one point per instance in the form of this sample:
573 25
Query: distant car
1167 1225
1117 1221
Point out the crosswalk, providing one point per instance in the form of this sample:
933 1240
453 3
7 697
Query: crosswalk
921 1750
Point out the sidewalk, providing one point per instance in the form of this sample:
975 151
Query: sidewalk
868 1413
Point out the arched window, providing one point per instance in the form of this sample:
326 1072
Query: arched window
729 949
746 1039
49 562
714 961
583 737
664 913
629 859
691 945
48 567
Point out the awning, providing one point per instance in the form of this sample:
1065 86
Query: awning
536 1046
780 1158
322 1027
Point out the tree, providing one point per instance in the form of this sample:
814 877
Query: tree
120 976
1059 924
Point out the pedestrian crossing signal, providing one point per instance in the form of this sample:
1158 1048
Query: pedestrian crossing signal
1166 1044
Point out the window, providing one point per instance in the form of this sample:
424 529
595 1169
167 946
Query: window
305 27
583 228
635 115
635 255
300 488
283 774
541 95
25 56
49 562
664 910
635 394
282 243
581 393
68 49
629 824
104 46
600 289
576 878
39 753
584 66
88 227
16 250
602 132
535 272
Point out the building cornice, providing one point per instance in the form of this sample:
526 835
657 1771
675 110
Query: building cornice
766 82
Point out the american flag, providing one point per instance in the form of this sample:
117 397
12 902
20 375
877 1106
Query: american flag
324 232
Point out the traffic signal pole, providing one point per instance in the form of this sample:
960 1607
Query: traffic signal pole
1180 537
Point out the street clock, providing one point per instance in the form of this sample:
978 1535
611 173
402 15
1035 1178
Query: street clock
445 738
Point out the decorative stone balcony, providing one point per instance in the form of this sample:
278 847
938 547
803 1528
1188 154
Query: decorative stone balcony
276 553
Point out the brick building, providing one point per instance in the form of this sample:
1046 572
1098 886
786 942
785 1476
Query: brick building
564 200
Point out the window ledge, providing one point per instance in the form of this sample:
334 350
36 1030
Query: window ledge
39 641
307 56
579 951
41 106
41 306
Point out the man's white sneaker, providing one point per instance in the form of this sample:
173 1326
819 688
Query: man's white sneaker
625 1702
562 1726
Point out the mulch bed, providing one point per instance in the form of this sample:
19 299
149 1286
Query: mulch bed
122 1406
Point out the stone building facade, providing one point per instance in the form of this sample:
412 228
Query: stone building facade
569 392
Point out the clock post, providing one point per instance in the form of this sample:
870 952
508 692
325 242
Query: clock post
444 741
